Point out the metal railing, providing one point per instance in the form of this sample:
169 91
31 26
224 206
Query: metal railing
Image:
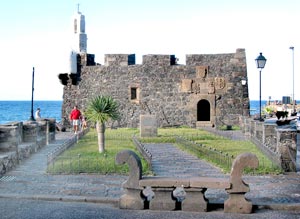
211 154
81 164
51 156
74 164
144 151
219 157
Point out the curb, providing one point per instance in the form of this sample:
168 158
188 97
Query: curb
102 200
115 201
280 207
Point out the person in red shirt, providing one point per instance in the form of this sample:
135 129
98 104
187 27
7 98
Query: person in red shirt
75 118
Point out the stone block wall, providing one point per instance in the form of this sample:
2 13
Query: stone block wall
119 59
9 137
20 139
207 89
278 143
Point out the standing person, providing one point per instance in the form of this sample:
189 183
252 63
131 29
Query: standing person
83 122
38 114
75 118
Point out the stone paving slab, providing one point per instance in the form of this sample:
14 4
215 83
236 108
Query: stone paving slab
30 180
95 186
167 160
170 161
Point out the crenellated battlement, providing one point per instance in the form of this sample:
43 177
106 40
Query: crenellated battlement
85 59
159 60
119 59
130 59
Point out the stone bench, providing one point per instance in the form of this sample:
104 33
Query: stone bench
187 194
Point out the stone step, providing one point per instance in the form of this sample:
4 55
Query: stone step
203 124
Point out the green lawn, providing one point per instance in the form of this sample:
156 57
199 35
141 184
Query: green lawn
234 148
85 158
219 143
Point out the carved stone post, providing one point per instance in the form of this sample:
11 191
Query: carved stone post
132 198
30 131
237 203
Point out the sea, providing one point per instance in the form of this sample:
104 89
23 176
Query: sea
11 111
21 110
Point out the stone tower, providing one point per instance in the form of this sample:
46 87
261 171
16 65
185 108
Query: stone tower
210 90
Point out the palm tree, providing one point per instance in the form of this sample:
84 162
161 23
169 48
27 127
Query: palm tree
99 110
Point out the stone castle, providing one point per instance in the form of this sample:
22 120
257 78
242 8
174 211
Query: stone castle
210 90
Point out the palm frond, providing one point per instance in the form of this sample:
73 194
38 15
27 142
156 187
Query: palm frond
102 108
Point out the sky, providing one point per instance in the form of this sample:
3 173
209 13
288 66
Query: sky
37 33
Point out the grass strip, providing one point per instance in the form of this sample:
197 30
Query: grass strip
84 157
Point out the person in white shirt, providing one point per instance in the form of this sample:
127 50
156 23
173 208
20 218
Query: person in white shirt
38 114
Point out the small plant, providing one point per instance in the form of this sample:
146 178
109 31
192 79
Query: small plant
270 110
101 109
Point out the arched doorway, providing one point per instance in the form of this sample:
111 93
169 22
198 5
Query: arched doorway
203 110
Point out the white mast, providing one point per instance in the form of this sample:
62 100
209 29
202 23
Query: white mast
79 32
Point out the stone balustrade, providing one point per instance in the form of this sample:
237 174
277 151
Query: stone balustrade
20 139
187 194
279 143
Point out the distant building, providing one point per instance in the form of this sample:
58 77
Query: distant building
210 90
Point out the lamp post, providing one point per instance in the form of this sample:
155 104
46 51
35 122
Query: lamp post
245 99
260 62
31 118
292 48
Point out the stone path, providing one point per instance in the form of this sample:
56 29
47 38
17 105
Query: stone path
37 164
30 180
167 160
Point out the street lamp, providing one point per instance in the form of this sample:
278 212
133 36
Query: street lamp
292 48
31 118
260 62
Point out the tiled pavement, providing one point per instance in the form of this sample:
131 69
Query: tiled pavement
30 180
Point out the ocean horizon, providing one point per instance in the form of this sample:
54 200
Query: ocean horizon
20 110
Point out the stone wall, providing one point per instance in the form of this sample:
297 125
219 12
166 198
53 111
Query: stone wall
279 143
19 140
205 91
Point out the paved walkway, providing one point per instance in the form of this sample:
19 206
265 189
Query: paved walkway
168 160
30 180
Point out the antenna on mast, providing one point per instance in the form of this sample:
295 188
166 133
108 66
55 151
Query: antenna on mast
78 8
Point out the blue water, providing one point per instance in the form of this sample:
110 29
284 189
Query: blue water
254 106
21 110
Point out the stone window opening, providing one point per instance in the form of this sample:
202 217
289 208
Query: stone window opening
134 93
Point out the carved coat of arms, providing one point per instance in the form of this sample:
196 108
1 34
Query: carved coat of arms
201 71
219 83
